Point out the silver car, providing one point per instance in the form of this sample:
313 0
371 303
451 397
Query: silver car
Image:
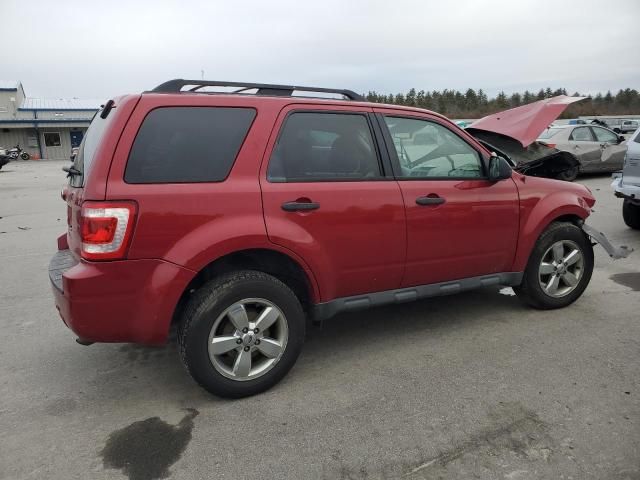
627 184
598 149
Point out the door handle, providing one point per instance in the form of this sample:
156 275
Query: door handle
300 206
430 200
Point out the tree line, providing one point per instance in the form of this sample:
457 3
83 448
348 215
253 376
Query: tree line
476 103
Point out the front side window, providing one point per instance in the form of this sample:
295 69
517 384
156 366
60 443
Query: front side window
549 132
429 150
605 135
187 144
316 147
581 134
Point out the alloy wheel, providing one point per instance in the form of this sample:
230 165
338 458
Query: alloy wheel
561 268
248 339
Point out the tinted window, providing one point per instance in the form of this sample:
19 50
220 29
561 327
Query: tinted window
84 159
187 144
549 132
605 135
324 147
581 134
427 150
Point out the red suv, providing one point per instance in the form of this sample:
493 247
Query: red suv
238 215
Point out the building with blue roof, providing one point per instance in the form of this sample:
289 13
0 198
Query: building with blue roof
46 128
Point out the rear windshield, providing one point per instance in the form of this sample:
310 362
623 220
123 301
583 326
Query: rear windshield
549 132
188 144
84 158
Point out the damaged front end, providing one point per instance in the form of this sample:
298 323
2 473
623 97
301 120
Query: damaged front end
536 160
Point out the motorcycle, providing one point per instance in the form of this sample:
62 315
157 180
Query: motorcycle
16 152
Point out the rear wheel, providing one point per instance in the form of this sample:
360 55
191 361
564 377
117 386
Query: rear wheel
240 334
631 214
559 268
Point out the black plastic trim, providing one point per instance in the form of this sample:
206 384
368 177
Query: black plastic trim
62 261
322 311
176 85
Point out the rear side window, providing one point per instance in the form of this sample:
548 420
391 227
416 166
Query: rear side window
317 147
187 144
92 138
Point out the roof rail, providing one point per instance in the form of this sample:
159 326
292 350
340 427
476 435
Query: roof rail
176 85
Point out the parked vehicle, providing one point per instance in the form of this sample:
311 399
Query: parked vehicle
16 152
577 121
627 184
512 134
597 149
4 157
628 126
237 216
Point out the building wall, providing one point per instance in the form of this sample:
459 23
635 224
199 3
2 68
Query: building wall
8 108
27 139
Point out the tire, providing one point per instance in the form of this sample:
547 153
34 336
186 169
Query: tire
25 156
570 237
569 175
631 214
214 312
616 130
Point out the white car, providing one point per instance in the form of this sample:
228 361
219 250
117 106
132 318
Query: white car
627 184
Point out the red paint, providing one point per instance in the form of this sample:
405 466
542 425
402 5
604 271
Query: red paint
527 122
366 236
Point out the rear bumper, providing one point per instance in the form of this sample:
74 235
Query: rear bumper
626 190
119 301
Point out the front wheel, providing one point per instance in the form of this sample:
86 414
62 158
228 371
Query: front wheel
241 333
25 156
559 268
631 214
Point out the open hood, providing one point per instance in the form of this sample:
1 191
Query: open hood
527 122
536 160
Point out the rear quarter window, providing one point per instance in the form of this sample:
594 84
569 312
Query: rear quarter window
187 144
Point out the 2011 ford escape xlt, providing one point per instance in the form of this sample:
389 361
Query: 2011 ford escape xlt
236 216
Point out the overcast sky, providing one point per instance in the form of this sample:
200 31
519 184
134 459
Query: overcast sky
90 49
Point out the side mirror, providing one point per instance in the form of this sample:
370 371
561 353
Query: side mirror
621 139
499 169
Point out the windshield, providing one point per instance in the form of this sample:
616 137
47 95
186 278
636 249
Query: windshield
549 132
87 149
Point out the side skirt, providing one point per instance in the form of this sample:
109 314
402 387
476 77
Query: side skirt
322 311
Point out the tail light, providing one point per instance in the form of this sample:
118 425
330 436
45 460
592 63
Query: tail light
105 229
550 145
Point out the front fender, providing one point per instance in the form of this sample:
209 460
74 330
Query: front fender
536 216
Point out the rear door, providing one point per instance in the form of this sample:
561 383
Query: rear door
328 196
459 224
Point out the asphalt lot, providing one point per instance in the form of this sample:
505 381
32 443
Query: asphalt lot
470 386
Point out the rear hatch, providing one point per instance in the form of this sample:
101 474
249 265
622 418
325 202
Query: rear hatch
88 173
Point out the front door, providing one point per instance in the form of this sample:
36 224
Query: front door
613 151
76 138
54 145
584 146
327 198
459 224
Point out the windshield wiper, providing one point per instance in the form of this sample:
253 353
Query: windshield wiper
71 171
